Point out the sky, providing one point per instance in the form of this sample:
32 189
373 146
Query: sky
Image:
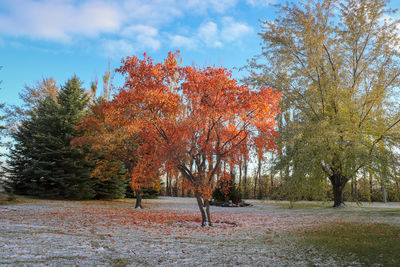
61 38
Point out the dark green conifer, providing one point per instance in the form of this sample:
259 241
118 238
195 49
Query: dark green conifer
43 162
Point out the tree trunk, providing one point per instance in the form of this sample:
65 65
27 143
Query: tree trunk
177 186
337 196
272 181
352 189
245 193
259 179
204 210
138 199
384 192
167 193
208 214
356 189
255 187
240 178
370 186
338 183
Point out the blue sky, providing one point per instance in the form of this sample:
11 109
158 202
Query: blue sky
60 38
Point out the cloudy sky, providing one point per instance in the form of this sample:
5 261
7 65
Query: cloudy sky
60 38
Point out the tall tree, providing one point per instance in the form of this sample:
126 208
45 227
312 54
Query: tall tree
2 129
31 97
73 101
42 161
191 119
111 148
337 64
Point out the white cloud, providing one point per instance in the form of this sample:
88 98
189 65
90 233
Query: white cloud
233 30
212 35
260 3
182 41
59 20
117 48
153 12
133 30
145 36
208 33
122 26
222 5
202 6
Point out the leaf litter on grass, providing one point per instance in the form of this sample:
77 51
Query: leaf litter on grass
166 233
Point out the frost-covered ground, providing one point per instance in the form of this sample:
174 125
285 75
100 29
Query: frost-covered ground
167 233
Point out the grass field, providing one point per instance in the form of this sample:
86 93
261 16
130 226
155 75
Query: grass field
167 233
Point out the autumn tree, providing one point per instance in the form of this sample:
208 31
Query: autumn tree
31 97
190 119
337 64
111 148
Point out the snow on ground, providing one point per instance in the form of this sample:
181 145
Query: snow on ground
166 233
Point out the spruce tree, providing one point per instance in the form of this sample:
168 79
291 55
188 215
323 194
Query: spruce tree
30 160
42 162
72 168
2 128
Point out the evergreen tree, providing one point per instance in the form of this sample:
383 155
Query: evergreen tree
43 162
112 188
2 128
72 168
27 158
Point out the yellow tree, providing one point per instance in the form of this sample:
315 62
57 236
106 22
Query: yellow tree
337 64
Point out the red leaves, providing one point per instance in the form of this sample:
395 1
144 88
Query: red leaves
187 118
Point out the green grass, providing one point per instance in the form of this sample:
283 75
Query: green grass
15 199
369 243
305 205
9 201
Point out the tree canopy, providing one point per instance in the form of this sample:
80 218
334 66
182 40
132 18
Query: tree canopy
191 119
337 64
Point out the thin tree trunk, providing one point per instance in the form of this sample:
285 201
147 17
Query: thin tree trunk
245 193
384 193
204 211
138 199
259 179
355 189
352 189
272 179
208 212
170 186
240 178
177 185
255 187
370 185
167 185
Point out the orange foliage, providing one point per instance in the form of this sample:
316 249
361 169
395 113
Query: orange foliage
190 119
111 147
224 184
